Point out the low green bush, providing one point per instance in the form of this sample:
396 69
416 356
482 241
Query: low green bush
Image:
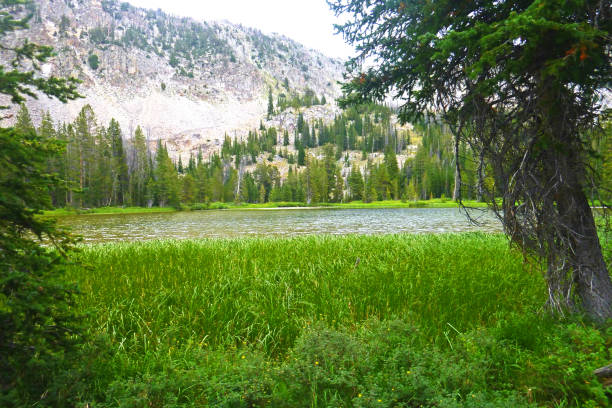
381 364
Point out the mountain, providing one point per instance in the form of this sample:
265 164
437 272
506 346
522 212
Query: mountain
184 81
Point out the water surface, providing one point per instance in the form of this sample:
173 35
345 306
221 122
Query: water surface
277 222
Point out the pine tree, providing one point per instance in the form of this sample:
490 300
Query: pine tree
300 123
180 165
338 191
119 165
167 187
355 183
23 121
140 170
243 196
189 189
203 192
301 159
606 173
270 103
516 80
55 166
392 169
86 129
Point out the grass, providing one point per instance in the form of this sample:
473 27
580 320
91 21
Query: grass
357 321
265 291
433 203
61 212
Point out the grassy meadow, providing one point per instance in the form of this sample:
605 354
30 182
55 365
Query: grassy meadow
354 321
432 203
62 212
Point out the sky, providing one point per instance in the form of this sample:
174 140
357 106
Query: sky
309 22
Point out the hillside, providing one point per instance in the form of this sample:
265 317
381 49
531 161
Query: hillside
184 81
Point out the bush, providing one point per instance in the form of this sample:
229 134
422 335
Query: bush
94 61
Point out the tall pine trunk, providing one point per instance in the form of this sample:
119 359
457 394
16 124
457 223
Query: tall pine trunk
591 278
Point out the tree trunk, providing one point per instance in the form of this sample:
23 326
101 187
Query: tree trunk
457 189
590 274
605 375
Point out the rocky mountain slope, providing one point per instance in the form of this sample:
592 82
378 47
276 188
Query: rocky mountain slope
184 81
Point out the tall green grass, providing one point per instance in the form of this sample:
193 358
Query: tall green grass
354 321
153 295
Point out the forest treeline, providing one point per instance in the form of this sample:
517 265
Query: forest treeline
352 158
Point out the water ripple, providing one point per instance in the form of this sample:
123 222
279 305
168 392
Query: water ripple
224 224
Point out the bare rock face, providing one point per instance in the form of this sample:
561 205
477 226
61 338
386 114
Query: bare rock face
183 81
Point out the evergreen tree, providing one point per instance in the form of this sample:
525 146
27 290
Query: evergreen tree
306 140
140 168
180 165
300 123
119 165
355 183
392 169
55 165
189 189
338 191
23 121
84 137
606 172
166 185
270 104
518 82
301 159
100 187
39 331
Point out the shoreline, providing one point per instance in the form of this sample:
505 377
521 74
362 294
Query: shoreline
435 203
355 205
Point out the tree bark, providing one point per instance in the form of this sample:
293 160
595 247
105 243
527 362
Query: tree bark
604 374
592 280
457 189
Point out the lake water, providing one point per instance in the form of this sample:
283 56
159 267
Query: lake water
277 222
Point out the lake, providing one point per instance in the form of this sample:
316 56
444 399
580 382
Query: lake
274 222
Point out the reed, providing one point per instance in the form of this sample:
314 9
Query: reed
153 295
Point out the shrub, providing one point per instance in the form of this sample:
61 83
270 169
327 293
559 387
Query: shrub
94 61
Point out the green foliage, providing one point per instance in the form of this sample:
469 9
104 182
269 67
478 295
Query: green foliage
270 103
519 83
451 286
17 84
521 360
173 61
93 61
39 328
100 35
89 164
64 25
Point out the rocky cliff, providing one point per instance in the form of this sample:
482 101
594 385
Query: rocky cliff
184 81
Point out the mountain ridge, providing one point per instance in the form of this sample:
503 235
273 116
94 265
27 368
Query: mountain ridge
184 81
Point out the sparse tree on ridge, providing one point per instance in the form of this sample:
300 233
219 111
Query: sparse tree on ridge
270 104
